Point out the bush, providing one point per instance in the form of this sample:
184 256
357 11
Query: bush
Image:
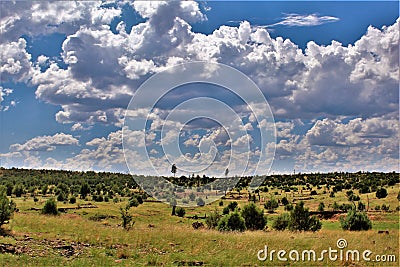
313 193
300 219
61 197
356 221
72 200
321 207
381 193
127 219
284 201
180 211
133 202
6 208
254 217
385 208
50 207
18 190
232 222
221 203
361 206
232 206
200 202
226 210
197 225
213 219
289 207
271 205
281 222
192 196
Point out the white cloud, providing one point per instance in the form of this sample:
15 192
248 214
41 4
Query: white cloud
45 143
297 20
358 82
15 65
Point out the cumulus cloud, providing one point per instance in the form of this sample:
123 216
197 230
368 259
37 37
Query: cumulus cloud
45 143
15 64
352 90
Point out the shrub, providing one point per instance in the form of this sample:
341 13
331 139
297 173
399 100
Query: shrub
271 205
84 190
226 210
398 196
180 211
50 207
321 206
284 201
378 207
197 225
361 206
200 202
356 221
232 222
381 193
213 219
232 206
61 196
289 207
300 219
133 202
281 222
385 208
221 203
192 196
18 190
72 200
313 193
254 217
127 218
6 208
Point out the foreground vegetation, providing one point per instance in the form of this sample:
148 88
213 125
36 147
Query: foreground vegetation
90 232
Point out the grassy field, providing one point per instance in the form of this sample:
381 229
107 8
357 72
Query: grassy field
159 239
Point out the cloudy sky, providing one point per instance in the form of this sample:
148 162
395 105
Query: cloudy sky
328 70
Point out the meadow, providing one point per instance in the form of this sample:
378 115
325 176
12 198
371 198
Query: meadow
95 237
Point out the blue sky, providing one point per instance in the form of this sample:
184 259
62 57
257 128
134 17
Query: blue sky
329 71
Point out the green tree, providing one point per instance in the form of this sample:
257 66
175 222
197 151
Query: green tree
284 201
173 169
213 219
321 207
254 217
44 189
18 190
356 221
281 222
50 207
381 193
85 190
271 205
127 218
6 208
180 211
300 219
232 222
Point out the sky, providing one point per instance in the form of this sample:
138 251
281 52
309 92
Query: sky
327 74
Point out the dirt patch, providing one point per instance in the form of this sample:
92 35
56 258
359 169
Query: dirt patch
45 247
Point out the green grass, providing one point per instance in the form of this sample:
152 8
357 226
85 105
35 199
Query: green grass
173 240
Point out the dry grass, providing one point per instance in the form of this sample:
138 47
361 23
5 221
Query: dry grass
171 241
